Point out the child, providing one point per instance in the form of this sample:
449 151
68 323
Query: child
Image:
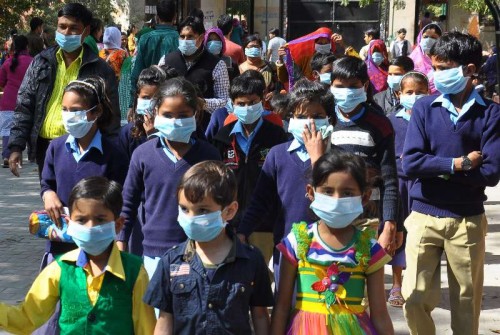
278 192
84 152
387 99
212 281
157 166
279 104
331 260
245 143
414 85
100 289
377 63
452 154
362 130
321 66
141 118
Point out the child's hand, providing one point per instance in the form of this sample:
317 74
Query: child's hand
314 142
53 205
338 39
387 238
149 123
399 239
476 158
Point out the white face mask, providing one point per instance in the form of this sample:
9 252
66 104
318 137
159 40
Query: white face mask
76 123
323 49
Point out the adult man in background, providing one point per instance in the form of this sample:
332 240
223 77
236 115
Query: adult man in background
233 50
35 40
275 42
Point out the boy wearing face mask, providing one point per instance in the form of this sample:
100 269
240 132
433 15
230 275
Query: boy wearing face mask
321 66
363 130
452 151
245 143
99 288
212 281
388 98
195 63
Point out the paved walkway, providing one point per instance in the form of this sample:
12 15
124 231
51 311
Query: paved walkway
20 253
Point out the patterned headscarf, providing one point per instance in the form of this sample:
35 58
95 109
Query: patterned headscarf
377 74
423 62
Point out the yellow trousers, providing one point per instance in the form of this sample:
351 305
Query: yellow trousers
463 241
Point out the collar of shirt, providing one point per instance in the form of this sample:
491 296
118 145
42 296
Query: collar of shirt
299 149
72 145
60 59
167 150
402 114
237 249
163 26
444 100
343 119
114 266
243 141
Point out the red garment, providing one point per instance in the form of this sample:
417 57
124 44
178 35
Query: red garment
377 74
272 117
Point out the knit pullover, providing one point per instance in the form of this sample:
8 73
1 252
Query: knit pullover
153 173
432 141
371 136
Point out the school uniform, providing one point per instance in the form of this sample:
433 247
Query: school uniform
108 303
448 207
154 175
245 156
208 300
65 166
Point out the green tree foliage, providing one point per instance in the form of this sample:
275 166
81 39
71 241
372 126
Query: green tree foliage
11 15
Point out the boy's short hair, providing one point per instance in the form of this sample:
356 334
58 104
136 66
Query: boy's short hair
319 60
350 67
274 31
457 47
78 11
194 23
374 33
225 24
209 179
165 9
109 192
248 83
404 62
402 30
306 91
35 23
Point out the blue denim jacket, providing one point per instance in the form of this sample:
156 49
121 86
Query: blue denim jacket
181 286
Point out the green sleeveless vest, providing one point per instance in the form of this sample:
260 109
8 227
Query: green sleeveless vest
112 313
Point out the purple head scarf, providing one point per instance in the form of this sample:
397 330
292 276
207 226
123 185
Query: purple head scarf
219 33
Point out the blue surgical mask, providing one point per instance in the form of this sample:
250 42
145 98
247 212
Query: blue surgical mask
248 114
144 106
325 78
68 43
407 101
394 81
347 99
229 106
253 52
427 43
76 123
336 212
95 240
323 49
176 130
296 127
201 228
377 58
214 47
450 81
187 47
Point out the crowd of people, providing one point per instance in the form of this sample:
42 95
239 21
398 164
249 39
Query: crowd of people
188 169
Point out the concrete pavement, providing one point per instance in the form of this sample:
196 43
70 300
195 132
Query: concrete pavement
20 253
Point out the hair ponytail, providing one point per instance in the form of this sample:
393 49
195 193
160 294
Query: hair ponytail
19 44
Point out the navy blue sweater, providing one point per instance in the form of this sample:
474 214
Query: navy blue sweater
151 172
279 193
61 172
432 141
400 126
129 143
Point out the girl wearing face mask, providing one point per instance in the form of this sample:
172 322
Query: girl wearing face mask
157 166
253 52
377 63
414 85
332 260
420 55
85 151
215 43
